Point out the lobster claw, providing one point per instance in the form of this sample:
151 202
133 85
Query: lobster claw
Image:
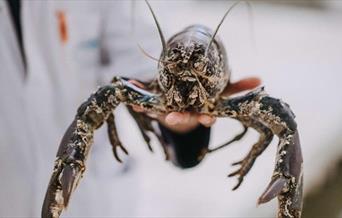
69 180
61 186
275 187
289 188
67 172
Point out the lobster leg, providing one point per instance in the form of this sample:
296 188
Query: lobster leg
287 179
246 164
144 123
114 138
164 146
236 138
76 143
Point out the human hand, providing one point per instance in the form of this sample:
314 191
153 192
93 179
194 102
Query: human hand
183 122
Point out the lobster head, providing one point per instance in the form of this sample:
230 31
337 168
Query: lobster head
190 75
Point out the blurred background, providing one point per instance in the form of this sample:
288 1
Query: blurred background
296 49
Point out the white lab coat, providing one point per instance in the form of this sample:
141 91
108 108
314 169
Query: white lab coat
36 110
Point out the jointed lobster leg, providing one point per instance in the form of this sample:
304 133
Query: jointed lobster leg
286 181
246 164
144 123
114 138
236 138
76 143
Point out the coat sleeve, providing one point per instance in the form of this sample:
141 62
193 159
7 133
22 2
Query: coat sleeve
186 149
119 51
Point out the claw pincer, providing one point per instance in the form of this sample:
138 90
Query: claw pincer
68 169
287 180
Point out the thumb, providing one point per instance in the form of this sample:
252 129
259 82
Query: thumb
242 85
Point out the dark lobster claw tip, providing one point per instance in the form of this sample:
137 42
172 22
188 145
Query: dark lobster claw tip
69 179
56 199
273 189
46 213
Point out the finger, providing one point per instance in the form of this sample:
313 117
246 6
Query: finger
137 108
177 118
187 118
206 120
174 118
242 85
136 83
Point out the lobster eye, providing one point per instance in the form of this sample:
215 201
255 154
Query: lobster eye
165 80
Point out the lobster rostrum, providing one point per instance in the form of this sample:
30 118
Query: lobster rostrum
193 71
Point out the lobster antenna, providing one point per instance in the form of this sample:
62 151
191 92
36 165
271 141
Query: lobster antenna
151 57
223 18
147 54
162 39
